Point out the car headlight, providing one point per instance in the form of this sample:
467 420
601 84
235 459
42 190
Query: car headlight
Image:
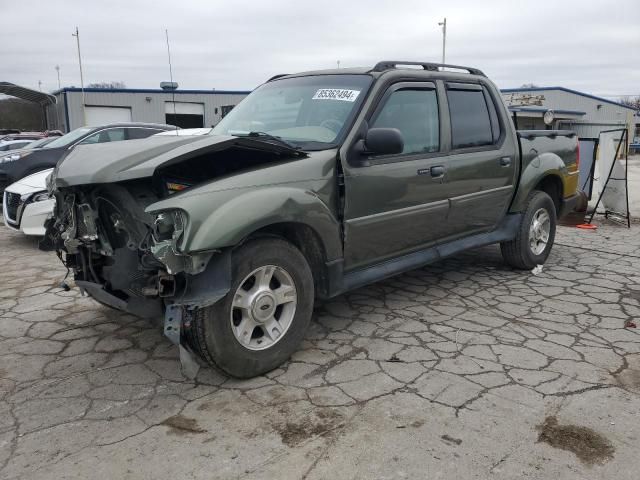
40 197
12 157
169 225
35 197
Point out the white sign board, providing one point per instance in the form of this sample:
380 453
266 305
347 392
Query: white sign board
614 197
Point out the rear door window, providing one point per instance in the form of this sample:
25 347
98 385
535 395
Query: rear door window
471 122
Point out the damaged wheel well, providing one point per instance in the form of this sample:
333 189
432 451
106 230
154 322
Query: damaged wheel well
307 240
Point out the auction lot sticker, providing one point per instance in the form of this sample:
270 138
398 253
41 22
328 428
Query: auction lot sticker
336 94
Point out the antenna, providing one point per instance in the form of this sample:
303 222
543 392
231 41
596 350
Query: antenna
84 109
173 91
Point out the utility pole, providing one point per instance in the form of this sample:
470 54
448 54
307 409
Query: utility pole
338 63
443 24
40 85
58 70
84 113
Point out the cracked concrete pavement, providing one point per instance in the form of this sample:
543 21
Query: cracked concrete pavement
444 372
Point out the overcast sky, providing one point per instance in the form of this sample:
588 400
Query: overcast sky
589 45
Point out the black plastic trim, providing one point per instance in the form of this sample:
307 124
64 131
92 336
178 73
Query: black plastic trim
529 134
390 64
506 231
568 205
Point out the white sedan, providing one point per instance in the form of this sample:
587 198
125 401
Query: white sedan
26 204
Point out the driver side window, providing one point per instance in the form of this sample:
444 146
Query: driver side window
415 113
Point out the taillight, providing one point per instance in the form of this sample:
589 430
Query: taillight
578 155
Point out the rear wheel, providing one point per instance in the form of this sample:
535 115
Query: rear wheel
535 235
264 317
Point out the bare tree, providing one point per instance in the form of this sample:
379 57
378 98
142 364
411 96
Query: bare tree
633 102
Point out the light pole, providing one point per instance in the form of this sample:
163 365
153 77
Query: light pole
443 24
84 113
58 122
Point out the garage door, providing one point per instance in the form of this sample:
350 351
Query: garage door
102 115
184 114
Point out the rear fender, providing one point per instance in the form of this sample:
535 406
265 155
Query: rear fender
539 167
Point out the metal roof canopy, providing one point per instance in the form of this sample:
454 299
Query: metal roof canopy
24 93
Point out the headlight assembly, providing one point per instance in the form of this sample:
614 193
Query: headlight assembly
169 225
35 197
12 157
166 233
40 197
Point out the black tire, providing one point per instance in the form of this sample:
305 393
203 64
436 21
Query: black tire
518 252
211 332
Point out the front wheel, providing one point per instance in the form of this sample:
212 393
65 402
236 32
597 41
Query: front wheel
265 315
535 235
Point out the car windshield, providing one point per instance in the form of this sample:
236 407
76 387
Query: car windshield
39 143
310 112
69 138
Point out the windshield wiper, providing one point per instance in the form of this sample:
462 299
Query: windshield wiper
268 136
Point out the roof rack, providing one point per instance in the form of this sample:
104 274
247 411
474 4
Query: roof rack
434 67
275 77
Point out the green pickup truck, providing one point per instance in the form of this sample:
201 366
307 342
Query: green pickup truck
317 183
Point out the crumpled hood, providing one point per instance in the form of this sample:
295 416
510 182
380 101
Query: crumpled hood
127 160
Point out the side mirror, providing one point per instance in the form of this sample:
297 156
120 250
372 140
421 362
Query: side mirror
383 141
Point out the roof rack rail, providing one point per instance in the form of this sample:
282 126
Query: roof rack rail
275 77
434 67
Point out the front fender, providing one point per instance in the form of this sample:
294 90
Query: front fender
538 167
223 219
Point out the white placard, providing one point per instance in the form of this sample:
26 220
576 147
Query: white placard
341 94
614 197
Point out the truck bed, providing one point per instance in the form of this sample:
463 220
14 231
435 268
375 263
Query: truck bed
535 142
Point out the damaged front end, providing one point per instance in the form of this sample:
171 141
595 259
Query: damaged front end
125 254
131 260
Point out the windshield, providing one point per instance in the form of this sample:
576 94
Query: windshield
39 143
310 112
69 138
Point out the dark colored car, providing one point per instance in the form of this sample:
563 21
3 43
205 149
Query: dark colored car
317 183
18 164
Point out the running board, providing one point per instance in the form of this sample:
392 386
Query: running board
505 232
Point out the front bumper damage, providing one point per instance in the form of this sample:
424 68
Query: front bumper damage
130 260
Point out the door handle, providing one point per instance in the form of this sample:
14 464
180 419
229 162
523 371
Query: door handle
437 171
505 162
